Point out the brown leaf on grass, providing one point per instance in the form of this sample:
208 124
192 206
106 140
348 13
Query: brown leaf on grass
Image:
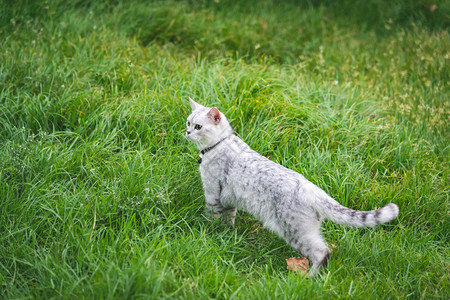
264 24
297 264
333 246
431 7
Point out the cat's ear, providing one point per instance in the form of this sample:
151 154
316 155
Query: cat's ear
194 105
214 115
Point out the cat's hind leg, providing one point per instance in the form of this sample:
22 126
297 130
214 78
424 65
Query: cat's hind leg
306 239
319 256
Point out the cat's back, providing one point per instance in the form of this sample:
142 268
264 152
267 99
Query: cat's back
250 168
260 186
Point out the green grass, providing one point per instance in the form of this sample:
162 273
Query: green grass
100 195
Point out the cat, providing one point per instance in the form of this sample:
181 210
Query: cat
236 177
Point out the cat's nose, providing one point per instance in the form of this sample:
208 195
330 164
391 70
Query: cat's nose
188 132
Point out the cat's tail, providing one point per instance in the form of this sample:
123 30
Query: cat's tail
334 211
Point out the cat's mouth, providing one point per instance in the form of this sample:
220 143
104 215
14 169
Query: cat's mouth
190 137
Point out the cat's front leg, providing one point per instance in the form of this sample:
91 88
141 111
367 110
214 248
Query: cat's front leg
229 215
215 208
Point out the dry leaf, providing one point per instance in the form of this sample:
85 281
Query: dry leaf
333 246
430 6
264 25
297 264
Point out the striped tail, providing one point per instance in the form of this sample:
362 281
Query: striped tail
334 211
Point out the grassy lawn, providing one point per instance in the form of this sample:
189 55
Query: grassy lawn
100 195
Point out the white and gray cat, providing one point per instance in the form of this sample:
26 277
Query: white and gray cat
235 176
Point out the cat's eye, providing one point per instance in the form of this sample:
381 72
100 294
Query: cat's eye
188 123
198 127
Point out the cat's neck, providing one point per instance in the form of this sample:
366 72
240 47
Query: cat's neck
224 134
207 149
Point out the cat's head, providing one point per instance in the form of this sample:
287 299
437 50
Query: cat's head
206 126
